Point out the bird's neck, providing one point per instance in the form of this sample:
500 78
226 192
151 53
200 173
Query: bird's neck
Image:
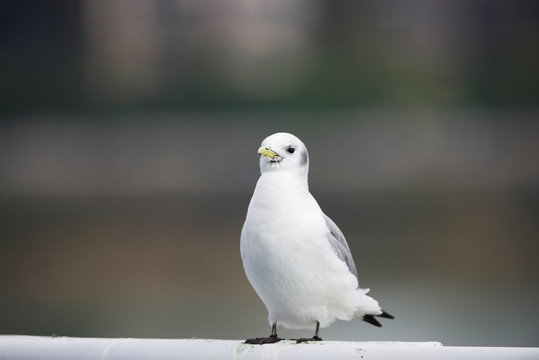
282 180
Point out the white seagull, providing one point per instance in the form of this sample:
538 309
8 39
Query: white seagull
295 257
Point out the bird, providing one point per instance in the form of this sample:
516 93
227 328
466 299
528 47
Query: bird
295 257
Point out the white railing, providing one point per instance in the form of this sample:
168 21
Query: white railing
58 348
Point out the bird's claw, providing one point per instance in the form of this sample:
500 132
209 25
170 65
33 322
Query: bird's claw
314 338
265 340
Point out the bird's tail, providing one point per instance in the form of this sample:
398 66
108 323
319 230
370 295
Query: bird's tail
372 320
370 308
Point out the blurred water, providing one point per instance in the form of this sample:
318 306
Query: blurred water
457 269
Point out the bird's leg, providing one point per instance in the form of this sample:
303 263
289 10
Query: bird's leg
273 338
315 337
274 330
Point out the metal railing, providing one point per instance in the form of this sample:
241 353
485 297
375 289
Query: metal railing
58 348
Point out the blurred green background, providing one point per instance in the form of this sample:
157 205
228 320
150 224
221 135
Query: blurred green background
128 141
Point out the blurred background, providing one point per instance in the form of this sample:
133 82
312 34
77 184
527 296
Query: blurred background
128 140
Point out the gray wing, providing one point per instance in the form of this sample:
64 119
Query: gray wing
339 244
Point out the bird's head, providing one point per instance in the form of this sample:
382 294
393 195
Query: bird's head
284 152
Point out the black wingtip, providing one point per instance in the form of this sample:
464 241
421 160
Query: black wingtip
386 315
371 320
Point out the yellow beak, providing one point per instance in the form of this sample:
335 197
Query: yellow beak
265 150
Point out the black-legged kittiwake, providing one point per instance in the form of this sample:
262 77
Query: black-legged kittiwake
295 257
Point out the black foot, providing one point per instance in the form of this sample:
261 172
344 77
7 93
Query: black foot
314 338
261 341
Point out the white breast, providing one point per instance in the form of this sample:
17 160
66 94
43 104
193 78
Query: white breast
288 258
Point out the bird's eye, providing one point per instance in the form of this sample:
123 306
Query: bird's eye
291 150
